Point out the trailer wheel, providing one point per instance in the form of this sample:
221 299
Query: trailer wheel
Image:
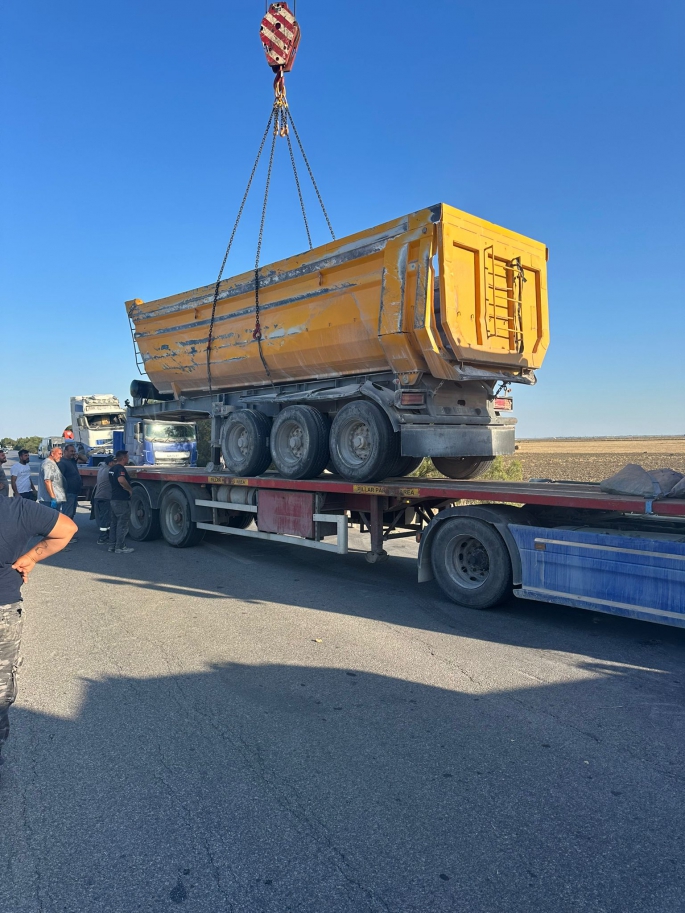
462 467
176 522
299 442
144 524
471 562
364 446
404 466
245 443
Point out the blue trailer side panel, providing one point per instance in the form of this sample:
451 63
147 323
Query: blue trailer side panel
638 578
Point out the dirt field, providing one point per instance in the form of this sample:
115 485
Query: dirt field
594 459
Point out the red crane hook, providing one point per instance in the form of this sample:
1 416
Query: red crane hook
280 36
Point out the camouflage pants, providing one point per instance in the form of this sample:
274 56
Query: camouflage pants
10 660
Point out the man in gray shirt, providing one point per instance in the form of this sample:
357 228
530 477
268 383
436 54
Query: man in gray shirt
101 498
51 481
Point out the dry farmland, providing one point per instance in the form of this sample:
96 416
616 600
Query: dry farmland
594 459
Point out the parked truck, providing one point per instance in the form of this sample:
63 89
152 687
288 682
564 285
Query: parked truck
158 442
101 426
375 351
94 419
366 354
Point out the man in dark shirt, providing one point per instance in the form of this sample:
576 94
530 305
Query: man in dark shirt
120 504
20 521
68 466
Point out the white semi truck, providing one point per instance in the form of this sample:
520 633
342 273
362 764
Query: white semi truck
95 418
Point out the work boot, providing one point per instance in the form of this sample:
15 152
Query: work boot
103 540
123 551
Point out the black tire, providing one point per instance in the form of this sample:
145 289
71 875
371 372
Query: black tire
364 446
404 466
176 524
245 443
471 562
299 442
462 467
144 523
241 520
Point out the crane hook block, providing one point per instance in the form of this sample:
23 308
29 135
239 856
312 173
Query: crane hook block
280 35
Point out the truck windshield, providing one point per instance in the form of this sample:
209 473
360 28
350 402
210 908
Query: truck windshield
116 419
165 432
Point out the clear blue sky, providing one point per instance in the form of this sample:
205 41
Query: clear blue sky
129 128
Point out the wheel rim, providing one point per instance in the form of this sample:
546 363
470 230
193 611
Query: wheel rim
355 443
138 512
468 562
291 443
175 517
237 444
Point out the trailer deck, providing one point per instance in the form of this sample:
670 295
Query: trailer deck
567 494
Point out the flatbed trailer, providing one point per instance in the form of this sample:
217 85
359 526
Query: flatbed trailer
561 542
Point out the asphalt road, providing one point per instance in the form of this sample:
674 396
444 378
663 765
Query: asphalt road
255 727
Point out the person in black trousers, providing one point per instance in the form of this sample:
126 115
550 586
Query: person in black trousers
120 504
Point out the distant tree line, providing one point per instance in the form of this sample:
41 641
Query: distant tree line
21 443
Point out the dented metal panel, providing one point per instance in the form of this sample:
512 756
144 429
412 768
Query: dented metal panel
286 513
363 304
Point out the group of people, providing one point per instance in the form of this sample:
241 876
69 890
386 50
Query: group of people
48 513
60 484
112 502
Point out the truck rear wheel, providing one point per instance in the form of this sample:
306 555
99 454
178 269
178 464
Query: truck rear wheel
144 523
471 562
462 467
245 443
176 522
299 442
364 446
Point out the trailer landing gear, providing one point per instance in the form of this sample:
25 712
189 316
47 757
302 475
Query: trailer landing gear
377 553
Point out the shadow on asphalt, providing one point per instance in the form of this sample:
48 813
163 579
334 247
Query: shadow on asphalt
276 788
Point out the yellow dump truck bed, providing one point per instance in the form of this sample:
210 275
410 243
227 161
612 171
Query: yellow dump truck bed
439 291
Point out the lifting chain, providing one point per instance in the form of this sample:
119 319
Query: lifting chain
280 35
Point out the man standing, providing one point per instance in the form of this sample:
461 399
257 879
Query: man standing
51 481
20 520
4 484
120 505
22 483
72 479
101 499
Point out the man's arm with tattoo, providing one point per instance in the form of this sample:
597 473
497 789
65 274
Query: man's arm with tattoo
58 539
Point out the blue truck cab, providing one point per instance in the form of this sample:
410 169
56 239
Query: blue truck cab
158 442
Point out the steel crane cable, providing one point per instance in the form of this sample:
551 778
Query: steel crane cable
311 173
210 335
297 179
279 120
257 333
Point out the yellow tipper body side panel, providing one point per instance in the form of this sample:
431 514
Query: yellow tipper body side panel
363 304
